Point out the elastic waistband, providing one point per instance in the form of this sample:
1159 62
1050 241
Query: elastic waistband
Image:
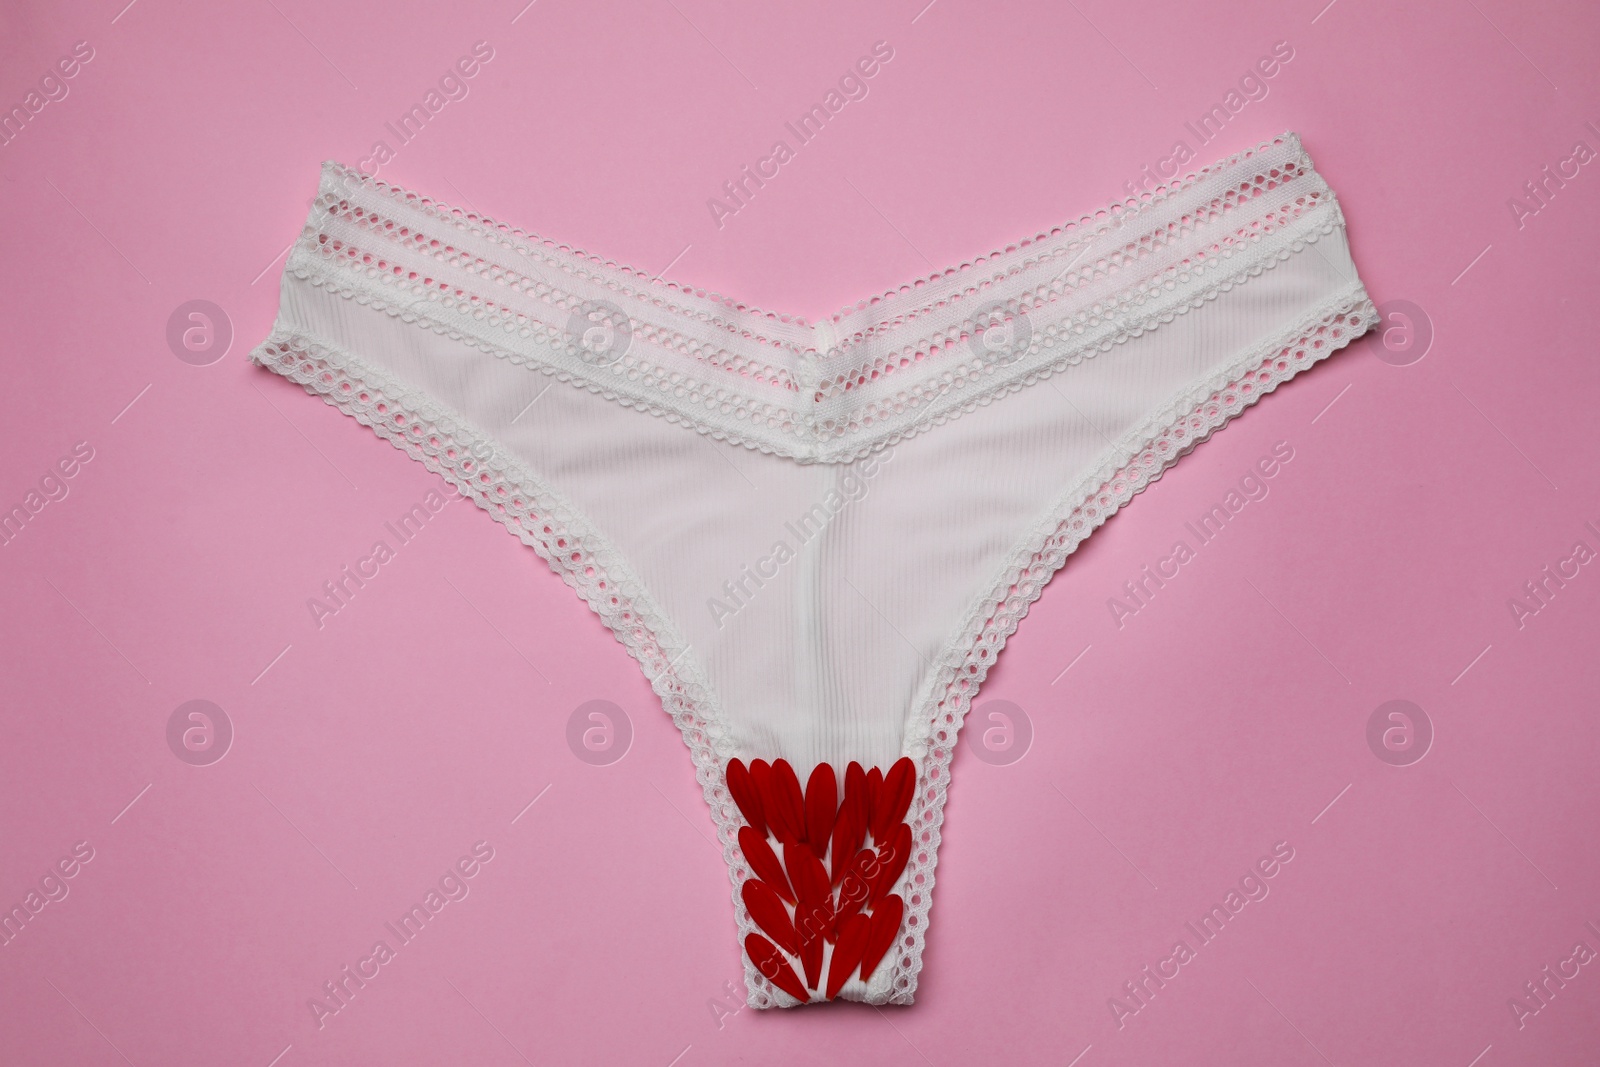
865 377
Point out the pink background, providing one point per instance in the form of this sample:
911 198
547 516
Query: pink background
1227 715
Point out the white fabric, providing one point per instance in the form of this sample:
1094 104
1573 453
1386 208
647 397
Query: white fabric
815 538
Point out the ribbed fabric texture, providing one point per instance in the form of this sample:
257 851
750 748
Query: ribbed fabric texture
815 597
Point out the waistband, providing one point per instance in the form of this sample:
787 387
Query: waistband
840 388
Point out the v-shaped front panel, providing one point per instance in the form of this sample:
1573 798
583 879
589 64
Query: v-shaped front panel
816 538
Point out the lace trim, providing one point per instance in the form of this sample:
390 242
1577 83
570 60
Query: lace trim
938 713
835 432
342 221
1166 251
1088 335
1114 213
526 241
542 519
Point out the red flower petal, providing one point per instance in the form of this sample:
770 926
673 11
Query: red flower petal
745 795
781 801
881 933
892 857
874 796
895 797
855 782
764 862
776 969
811 960
814 920
856 888
814 923
769 913
822 805
851 828
847 952
761 778
806 873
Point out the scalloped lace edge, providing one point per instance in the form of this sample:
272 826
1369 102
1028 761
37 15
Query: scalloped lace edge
541 518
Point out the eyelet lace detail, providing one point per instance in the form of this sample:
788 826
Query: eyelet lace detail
539 516
893 366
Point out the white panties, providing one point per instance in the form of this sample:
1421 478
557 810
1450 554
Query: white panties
816 537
